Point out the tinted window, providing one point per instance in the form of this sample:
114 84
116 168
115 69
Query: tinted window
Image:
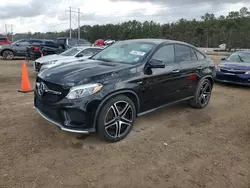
199 55
193 55
89 52
71 52
61 41
165 54
36 42
51 44
3 39
182 53
24 42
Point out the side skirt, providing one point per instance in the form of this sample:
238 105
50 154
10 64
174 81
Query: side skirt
163 106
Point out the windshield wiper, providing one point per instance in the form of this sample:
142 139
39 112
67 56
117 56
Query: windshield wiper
240 58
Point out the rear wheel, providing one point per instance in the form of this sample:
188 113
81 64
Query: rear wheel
8 54
116 118
202 94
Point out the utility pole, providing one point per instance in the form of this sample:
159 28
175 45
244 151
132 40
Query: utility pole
79 27
11 27
70 21
6 32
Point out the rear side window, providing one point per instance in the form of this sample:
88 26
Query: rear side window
165 54
36 42
193 54
51 44
182 53
199 55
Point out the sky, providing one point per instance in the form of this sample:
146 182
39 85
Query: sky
51 15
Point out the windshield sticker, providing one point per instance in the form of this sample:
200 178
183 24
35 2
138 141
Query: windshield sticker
137 53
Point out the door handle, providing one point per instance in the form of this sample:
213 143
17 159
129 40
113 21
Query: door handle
175 71
200 67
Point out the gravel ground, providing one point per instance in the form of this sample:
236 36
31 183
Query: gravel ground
177 147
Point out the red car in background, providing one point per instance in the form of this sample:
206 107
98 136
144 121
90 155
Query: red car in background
99 42
4 41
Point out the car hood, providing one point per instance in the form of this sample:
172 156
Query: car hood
53 58
82 72
235 65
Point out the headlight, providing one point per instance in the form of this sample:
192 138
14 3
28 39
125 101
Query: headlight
83 90
248 72
50 62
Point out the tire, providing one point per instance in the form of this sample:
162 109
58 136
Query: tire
202 95
116 118
8 54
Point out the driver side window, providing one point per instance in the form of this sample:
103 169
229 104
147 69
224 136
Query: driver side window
165 54
24 42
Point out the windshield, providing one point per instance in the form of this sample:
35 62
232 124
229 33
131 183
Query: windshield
71 52
125 52
239 57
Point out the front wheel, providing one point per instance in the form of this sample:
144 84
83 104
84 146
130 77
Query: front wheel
8 54
202 94
116 118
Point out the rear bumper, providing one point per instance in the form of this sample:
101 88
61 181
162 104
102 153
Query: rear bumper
239 79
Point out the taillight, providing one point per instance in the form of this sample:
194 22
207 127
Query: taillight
36 49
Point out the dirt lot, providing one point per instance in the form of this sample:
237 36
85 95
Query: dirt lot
203 148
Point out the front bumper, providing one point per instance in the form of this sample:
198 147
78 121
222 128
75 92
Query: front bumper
68 116
239 79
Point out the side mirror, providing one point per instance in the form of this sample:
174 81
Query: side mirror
18 44
79 55
223 58
154 64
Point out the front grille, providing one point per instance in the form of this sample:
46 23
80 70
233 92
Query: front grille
38 66
50 97
232 71
47 110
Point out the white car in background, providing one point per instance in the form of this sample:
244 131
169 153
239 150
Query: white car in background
70 55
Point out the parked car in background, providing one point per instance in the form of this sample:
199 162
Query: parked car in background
128 79
99 42
70 55
66 42
54 47
109 42
235 69
4 41
39 48
19 48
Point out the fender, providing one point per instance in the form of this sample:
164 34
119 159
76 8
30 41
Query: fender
111 95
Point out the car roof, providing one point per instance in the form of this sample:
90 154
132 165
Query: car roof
157 41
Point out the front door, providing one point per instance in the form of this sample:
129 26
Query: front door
21 47
161 85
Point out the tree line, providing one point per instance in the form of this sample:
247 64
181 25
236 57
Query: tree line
232 29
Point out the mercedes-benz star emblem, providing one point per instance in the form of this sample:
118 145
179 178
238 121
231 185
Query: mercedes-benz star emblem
41 89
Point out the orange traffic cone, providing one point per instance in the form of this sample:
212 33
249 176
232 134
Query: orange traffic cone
25 87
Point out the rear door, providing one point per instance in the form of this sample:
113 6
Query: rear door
189 69
161 86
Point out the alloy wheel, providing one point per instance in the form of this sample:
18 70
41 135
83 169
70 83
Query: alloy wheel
118 119
205 93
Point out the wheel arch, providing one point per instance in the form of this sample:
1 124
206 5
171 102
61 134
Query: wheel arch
2 51
210 78
129 93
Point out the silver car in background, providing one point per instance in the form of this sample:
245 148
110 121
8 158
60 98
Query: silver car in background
70 55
